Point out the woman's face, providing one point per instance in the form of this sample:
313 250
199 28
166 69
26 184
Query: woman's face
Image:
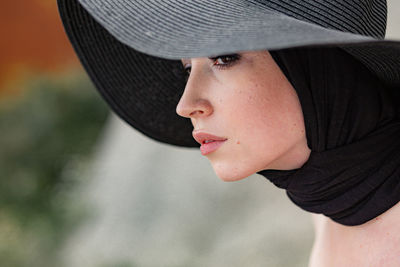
245 114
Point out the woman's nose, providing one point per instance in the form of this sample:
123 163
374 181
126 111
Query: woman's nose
193 108
194 103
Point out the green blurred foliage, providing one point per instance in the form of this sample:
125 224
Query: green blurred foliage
46 139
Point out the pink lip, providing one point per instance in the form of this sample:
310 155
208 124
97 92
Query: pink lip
209 143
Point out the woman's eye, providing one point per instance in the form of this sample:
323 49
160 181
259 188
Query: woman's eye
188 69
220 62
225 60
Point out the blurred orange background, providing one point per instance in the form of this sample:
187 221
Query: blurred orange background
32 41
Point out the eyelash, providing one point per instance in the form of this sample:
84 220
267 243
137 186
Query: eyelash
232 59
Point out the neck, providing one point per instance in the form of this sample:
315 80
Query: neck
375 243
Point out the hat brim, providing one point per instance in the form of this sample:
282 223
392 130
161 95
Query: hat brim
132 55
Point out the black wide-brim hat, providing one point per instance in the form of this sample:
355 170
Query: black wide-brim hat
132 49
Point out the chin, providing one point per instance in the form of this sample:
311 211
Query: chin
230 175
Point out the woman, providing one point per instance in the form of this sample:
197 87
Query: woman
304 93
224 97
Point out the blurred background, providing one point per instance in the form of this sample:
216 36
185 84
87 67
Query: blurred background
78 187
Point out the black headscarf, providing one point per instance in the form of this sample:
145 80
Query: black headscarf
353 130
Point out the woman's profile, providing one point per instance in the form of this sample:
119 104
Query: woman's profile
303 92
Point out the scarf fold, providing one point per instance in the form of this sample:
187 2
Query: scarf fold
352 126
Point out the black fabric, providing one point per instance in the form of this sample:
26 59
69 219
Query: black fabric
353 129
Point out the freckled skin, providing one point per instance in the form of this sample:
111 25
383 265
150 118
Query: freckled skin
251 101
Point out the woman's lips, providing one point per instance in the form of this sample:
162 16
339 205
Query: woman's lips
209 143
210 147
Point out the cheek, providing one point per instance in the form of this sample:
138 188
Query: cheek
266 116
254 107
